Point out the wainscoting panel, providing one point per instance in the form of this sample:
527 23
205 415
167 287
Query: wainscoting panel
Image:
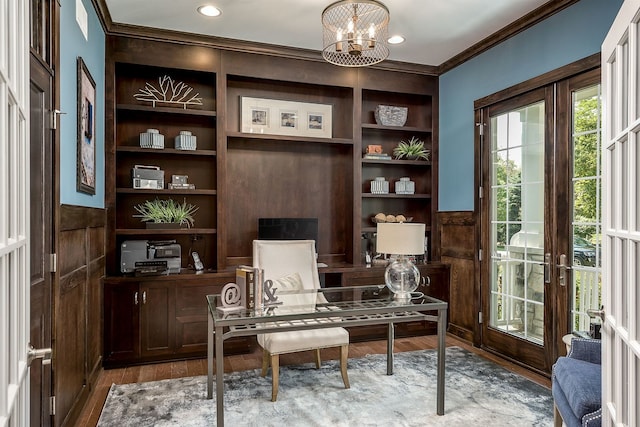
78 308
458 246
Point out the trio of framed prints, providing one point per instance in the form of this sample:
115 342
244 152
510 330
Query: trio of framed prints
275 117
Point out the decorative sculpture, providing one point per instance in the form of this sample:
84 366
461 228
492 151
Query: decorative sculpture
168 92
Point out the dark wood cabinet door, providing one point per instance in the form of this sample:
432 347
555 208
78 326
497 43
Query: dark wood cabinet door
121 333
157 306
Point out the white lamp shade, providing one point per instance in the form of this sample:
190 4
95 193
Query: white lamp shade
400 238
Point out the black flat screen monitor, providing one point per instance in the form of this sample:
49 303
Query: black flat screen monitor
288 229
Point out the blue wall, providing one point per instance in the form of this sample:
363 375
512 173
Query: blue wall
92 52
568 36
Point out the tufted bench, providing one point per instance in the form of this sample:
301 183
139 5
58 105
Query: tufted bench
576 385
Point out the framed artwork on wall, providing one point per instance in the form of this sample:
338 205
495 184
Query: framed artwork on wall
275 117
86 157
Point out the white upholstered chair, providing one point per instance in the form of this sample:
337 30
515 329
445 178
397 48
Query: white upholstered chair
281 260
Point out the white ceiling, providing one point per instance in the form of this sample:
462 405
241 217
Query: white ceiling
435 30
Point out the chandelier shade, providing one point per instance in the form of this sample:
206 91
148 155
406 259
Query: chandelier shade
355 33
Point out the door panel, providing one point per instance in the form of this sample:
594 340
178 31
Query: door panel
14 213
516 298
621 221
41 244
541 218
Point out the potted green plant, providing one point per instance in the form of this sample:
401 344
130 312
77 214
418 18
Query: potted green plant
412 150
168 213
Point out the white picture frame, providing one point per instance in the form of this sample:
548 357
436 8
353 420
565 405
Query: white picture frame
277 117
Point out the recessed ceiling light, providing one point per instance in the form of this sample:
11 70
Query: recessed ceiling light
209 10
397 39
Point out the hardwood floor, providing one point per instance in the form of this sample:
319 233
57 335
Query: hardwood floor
91 412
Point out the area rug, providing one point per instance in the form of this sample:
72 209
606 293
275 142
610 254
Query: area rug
477 393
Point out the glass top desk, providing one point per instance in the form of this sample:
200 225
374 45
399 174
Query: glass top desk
341 306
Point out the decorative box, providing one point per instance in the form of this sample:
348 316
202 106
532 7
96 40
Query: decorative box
185 141
379 186
405 186
389 115
152 138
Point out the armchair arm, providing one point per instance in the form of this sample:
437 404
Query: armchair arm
585 349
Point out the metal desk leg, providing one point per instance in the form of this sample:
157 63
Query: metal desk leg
210 357
219 377
442 328
390 338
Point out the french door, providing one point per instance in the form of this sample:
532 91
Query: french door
621 241
14 213
540 192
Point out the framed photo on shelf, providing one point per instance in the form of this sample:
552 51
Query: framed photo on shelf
86 153
276 117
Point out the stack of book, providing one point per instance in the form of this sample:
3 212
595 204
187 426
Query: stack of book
377 156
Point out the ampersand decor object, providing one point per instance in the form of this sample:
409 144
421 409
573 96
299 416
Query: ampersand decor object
270 297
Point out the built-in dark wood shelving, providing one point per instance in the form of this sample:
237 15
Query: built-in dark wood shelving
240 177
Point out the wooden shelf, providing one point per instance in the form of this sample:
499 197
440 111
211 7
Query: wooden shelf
165 191
374 229
167 151
260 136
165 110
396 196
395 128
172 231
398 162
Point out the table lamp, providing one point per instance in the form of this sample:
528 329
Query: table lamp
401 276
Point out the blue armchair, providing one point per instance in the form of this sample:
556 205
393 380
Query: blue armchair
576 385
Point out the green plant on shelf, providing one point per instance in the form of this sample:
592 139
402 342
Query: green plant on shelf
166 211
413 149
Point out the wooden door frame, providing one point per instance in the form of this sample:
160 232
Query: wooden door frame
42 76
524 352
564 140
582 66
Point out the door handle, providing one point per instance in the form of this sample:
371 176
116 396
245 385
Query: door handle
135 298
592 312
144 297
562 274
40 353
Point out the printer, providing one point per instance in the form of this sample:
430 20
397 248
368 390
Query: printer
147 257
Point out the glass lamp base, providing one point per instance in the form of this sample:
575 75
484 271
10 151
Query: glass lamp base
402 277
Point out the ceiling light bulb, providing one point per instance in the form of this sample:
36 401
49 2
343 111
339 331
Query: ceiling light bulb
339 35
372 31
395 39
209 10
350 26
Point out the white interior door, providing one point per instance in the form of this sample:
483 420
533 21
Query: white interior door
14 212
621 219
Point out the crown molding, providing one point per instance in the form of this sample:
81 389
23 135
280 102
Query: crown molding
529 20
115 29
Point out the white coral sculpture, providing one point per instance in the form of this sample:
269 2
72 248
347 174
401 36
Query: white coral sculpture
168 91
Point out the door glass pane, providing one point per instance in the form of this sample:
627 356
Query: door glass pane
517 219
624 103
587 192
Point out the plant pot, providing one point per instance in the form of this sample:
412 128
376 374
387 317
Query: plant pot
164 225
